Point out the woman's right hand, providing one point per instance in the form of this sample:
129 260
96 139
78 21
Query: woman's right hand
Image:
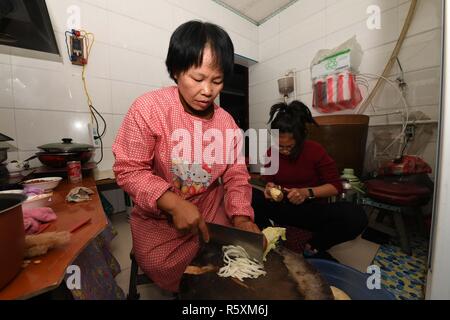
267 194
186 218
270 194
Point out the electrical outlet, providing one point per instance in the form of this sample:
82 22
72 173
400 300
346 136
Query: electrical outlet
93 135
410 131
401 83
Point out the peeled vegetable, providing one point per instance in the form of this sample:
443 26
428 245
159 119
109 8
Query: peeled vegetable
276 194
272 235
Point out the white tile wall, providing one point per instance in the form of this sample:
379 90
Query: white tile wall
46 89
311 28
108 158
5 58
43 101
98 3
6 96
299 12
95 20
60 12
422 51
157 13
37 127
124 93
181 15
290 40
345 13
137 67
7 124
131 42
269 48
368 39
423 89
430 13
128 33
269 29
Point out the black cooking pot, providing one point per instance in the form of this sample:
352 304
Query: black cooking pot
56 155
12 237
3 154
4 150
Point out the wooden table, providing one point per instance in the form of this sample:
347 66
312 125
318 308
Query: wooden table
48 275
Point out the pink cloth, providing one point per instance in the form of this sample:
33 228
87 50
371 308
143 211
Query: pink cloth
34 217
145 169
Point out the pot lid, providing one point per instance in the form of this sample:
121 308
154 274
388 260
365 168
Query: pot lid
5 138
66 146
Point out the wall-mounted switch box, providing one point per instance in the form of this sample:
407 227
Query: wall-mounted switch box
78 47
93 135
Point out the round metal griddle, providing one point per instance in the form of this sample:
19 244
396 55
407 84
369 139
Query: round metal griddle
289 277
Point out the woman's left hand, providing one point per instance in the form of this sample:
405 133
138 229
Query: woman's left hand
297 196
244 223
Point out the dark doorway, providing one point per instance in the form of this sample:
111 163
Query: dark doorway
234 96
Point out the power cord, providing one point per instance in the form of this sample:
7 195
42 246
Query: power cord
402 98
89 40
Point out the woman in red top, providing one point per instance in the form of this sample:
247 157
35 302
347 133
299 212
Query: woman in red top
307 176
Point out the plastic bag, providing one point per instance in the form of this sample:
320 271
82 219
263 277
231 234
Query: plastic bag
334 81
406 166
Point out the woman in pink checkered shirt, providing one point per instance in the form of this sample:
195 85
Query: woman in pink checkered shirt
164 161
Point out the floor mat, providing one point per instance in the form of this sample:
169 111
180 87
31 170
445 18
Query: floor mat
401 274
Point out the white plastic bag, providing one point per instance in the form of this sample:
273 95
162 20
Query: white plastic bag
346 57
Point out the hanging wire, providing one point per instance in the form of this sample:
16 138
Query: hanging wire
89 40
405 118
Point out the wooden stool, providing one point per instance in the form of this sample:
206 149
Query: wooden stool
136 279
396 199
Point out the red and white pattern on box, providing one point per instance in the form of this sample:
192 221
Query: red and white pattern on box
336 92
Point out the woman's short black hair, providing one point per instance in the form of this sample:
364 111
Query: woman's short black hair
188 42
292 119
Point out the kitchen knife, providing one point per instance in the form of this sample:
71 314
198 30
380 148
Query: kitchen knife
253 243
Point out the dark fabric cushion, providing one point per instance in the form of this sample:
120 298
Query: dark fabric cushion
398 193
296 239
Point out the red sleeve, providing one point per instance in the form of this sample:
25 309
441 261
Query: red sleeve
327 169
